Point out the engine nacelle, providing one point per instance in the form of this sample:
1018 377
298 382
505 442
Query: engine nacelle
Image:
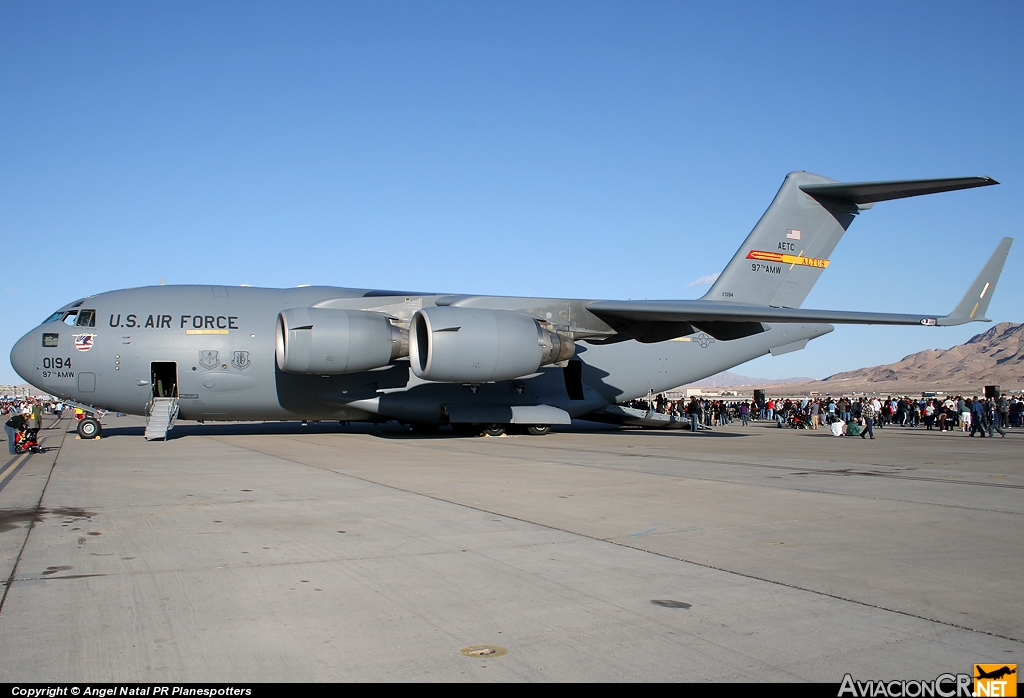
475 345
327 341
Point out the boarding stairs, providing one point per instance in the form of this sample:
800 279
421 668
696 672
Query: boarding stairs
160 416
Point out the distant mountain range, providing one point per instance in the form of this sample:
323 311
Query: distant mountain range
725 379
994 357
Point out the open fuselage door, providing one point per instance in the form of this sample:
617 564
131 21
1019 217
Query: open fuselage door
163 408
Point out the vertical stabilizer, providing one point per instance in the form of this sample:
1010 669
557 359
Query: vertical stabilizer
788 249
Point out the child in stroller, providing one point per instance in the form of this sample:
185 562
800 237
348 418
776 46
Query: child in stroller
27 440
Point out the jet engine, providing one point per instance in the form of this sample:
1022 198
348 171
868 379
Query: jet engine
474 345
327 341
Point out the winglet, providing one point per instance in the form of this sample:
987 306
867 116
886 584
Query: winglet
974 304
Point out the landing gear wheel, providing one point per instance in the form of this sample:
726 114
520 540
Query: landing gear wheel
494 429
89 428
538 429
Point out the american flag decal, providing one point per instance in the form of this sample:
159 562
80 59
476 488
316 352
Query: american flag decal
83 342
793 234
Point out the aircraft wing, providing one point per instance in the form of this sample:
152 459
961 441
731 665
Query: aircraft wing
726 320
712 311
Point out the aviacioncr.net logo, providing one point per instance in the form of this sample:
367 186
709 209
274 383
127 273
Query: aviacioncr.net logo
943 686
995 680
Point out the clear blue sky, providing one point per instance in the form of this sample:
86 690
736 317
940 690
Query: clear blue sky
594 150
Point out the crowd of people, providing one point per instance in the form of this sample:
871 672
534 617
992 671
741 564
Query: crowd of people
847 416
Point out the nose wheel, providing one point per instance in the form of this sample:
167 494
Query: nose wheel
89 428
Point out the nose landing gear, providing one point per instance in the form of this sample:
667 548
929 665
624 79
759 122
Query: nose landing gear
89 428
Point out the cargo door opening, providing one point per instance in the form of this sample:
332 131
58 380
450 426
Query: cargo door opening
164 378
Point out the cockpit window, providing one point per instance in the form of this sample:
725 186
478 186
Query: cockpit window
69 314
86 318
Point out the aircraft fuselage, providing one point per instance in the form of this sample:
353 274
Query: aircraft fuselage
214 348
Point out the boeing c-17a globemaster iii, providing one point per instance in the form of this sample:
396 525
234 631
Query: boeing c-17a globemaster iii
476 362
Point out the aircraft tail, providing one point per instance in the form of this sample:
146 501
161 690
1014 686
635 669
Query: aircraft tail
789 248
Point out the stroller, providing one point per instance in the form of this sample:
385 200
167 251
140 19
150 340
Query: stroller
798 420
27 440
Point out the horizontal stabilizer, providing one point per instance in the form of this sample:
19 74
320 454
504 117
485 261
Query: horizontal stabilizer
870 192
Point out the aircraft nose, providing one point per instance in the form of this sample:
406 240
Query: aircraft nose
23 355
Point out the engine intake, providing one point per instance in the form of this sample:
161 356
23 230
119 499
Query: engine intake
474 345
327 341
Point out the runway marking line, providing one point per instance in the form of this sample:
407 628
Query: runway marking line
11 469
28 531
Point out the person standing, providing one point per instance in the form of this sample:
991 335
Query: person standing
929 415
867 411
992 415
976 416
693 409
964 408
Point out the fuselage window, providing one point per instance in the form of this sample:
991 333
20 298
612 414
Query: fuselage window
70 317
50 340
86 318
55 317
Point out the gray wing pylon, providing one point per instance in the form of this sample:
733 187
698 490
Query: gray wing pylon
725 320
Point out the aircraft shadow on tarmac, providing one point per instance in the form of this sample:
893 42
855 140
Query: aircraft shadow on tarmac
390 430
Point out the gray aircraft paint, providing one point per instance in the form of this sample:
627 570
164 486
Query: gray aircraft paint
222 340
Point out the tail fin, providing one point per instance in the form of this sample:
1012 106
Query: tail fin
787 250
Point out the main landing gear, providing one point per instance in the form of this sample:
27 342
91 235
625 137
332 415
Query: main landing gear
497 429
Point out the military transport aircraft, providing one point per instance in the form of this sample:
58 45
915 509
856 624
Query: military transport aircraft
475 362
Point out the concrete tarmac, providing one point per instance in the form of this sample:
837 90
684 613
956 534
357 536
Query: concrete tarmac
273 552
